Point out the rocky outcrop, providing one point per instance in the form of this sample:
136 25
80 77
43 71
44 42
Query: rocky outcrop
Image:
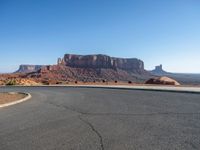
89 68
163 81
28 68
104 62
159 71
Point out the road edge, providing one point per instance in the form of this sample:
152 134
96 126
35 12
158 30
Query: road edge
158 89
28 96
177 89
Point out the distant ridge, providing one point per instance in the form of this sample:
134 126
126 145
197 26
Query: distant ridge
28 68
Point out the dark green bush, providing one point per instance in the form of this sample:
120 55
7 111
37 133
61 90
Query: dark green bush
130 82
103 81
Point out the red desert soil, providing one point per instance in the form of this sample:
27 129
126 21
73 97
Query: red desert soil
10 97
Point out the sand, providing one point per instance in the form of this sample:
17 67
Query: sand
10 97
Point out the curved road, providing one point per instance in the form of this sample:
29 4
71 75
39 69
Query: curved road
63 118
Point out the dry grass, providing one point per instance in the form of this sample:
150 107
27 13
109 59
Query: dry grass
10 97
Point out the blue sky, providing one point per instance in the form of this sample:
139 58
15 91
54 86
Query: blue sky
156 31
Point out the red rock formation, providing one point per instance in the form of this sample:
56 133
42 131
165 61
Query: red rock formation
88 68
104 61
163 81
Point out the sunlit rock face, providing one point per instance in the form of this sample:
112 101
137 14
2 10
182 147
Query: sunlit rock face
104 61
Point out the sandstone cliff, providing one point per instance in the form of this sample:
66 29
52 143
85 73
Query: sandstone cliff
103 62
158 71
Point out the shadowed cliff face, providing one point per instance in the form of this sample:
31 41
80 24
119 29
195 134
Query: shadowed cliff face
105 62
28 68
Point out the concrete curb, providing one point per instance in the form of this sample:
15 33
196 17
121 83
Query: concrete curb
177 89
158 89
28 96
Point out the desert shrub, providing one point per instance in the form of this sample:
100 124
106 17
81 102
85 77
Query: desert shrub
11 82
45 82
76 82
129 82
58 82
103 81
116 81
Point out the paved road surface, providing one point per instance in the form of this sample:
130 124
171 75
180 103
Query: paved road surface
65 118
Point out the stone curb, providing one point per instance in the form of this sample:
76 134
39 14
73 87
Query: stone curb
177 89
166 89
28 96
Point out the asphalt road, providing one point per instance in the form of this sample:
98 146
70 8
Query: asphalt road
63 118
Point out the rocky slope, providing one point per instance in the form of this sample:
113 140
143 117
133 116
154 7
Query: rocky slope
65 73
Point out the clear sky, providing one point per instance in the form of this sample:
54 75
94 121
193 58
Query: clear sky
157 31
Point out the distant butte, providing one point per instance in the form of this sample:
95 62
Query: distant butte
159 71
28 68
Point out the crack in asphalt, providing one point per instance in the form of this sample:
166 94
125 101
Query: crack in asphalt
66 107
89 124
84 121
94 130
